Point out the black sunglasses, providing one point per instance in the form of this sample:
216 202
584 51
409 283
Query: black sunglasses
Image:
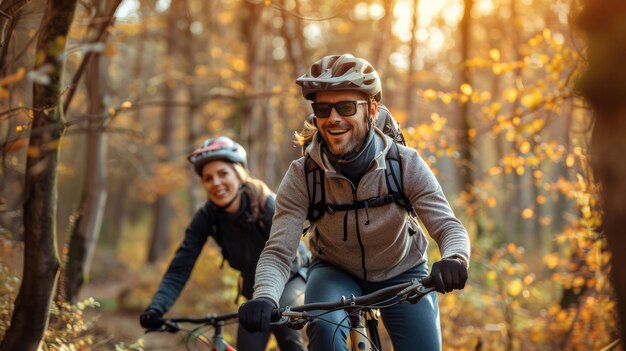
344 108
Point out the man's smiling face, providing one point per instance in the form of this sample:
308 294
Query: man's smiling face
344 134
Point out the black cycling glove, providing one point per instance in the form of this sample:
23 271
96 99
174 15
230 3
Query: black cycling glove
151 319
449 274
255 315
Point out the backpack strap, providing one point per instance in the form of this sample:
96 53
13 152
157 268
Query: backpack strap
393 175
315 187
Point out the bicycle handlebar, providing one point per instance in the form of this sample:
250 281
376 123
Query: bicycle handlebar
171 324
413 290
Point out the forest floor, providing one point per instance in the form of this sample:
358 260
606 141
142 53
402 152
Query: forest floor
119 326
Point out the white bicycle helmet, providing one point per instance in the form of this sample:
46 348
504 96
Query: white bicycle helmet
220 148
341 72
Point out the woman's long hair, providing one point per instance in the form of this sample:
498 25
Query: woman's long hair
256 190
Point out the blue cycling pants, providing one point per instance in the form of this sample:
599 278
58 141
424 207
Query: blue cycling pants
287 339
410 326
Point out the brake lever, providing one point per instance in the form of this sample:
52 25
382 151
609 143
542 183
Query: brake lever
169 326
415 291
293 320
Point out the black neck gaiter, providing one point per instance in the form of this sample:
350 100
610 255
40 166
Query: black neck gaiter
354 164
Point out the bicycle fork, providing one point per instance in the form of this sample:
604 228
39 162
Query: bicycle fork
364 336
219 344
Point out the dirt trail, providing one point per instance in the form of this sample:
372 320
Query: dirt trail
115 326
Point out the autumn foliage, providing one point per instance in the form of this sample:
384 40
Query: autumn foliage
178 72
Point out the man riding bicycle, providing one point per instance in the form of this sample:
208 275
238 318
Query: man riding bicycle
364 241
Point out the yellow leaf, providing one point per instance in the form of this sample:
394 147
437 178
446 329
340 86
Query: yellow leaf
239 65
515 287
430 94
494 54
511 94
511 248
471 133
495 170
529 278
225 17
226 73
547 34
538 124
551 260
127 104
202 70
525 147
579 281
446 98
33 151
541 199
17 76
491 201
528 213
534 41
345 27
497 69
110 51
466 89
570 160
509 270
216 52
533 99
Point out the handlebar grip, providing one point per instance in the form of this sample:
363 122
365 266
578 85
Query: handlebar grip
276 315
428 281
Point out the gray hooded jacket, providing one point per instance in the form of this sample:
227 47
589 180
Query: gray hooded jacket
380 243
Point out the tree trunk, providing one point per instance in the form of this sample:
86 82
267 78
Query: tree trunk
119 202
41 261
291 30
266 147
162 208
89 218
604 85
86 232
464 142
196 196
382 40
410 95
8 20
250 113
515 201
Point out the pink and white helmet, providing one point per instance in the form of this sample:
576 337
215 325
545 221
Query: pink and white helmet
221 148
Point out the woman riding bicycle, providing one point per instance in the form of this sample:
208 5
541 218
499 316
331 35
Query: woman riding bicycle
238 216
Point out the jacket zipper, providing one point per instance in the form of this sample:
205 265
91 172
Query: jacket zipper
358 231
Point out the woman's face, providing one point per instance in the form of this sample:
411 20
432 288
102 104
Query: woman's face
221 183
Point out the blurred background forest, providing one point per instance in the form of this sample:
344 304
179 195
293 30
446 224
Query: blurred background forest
484 89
